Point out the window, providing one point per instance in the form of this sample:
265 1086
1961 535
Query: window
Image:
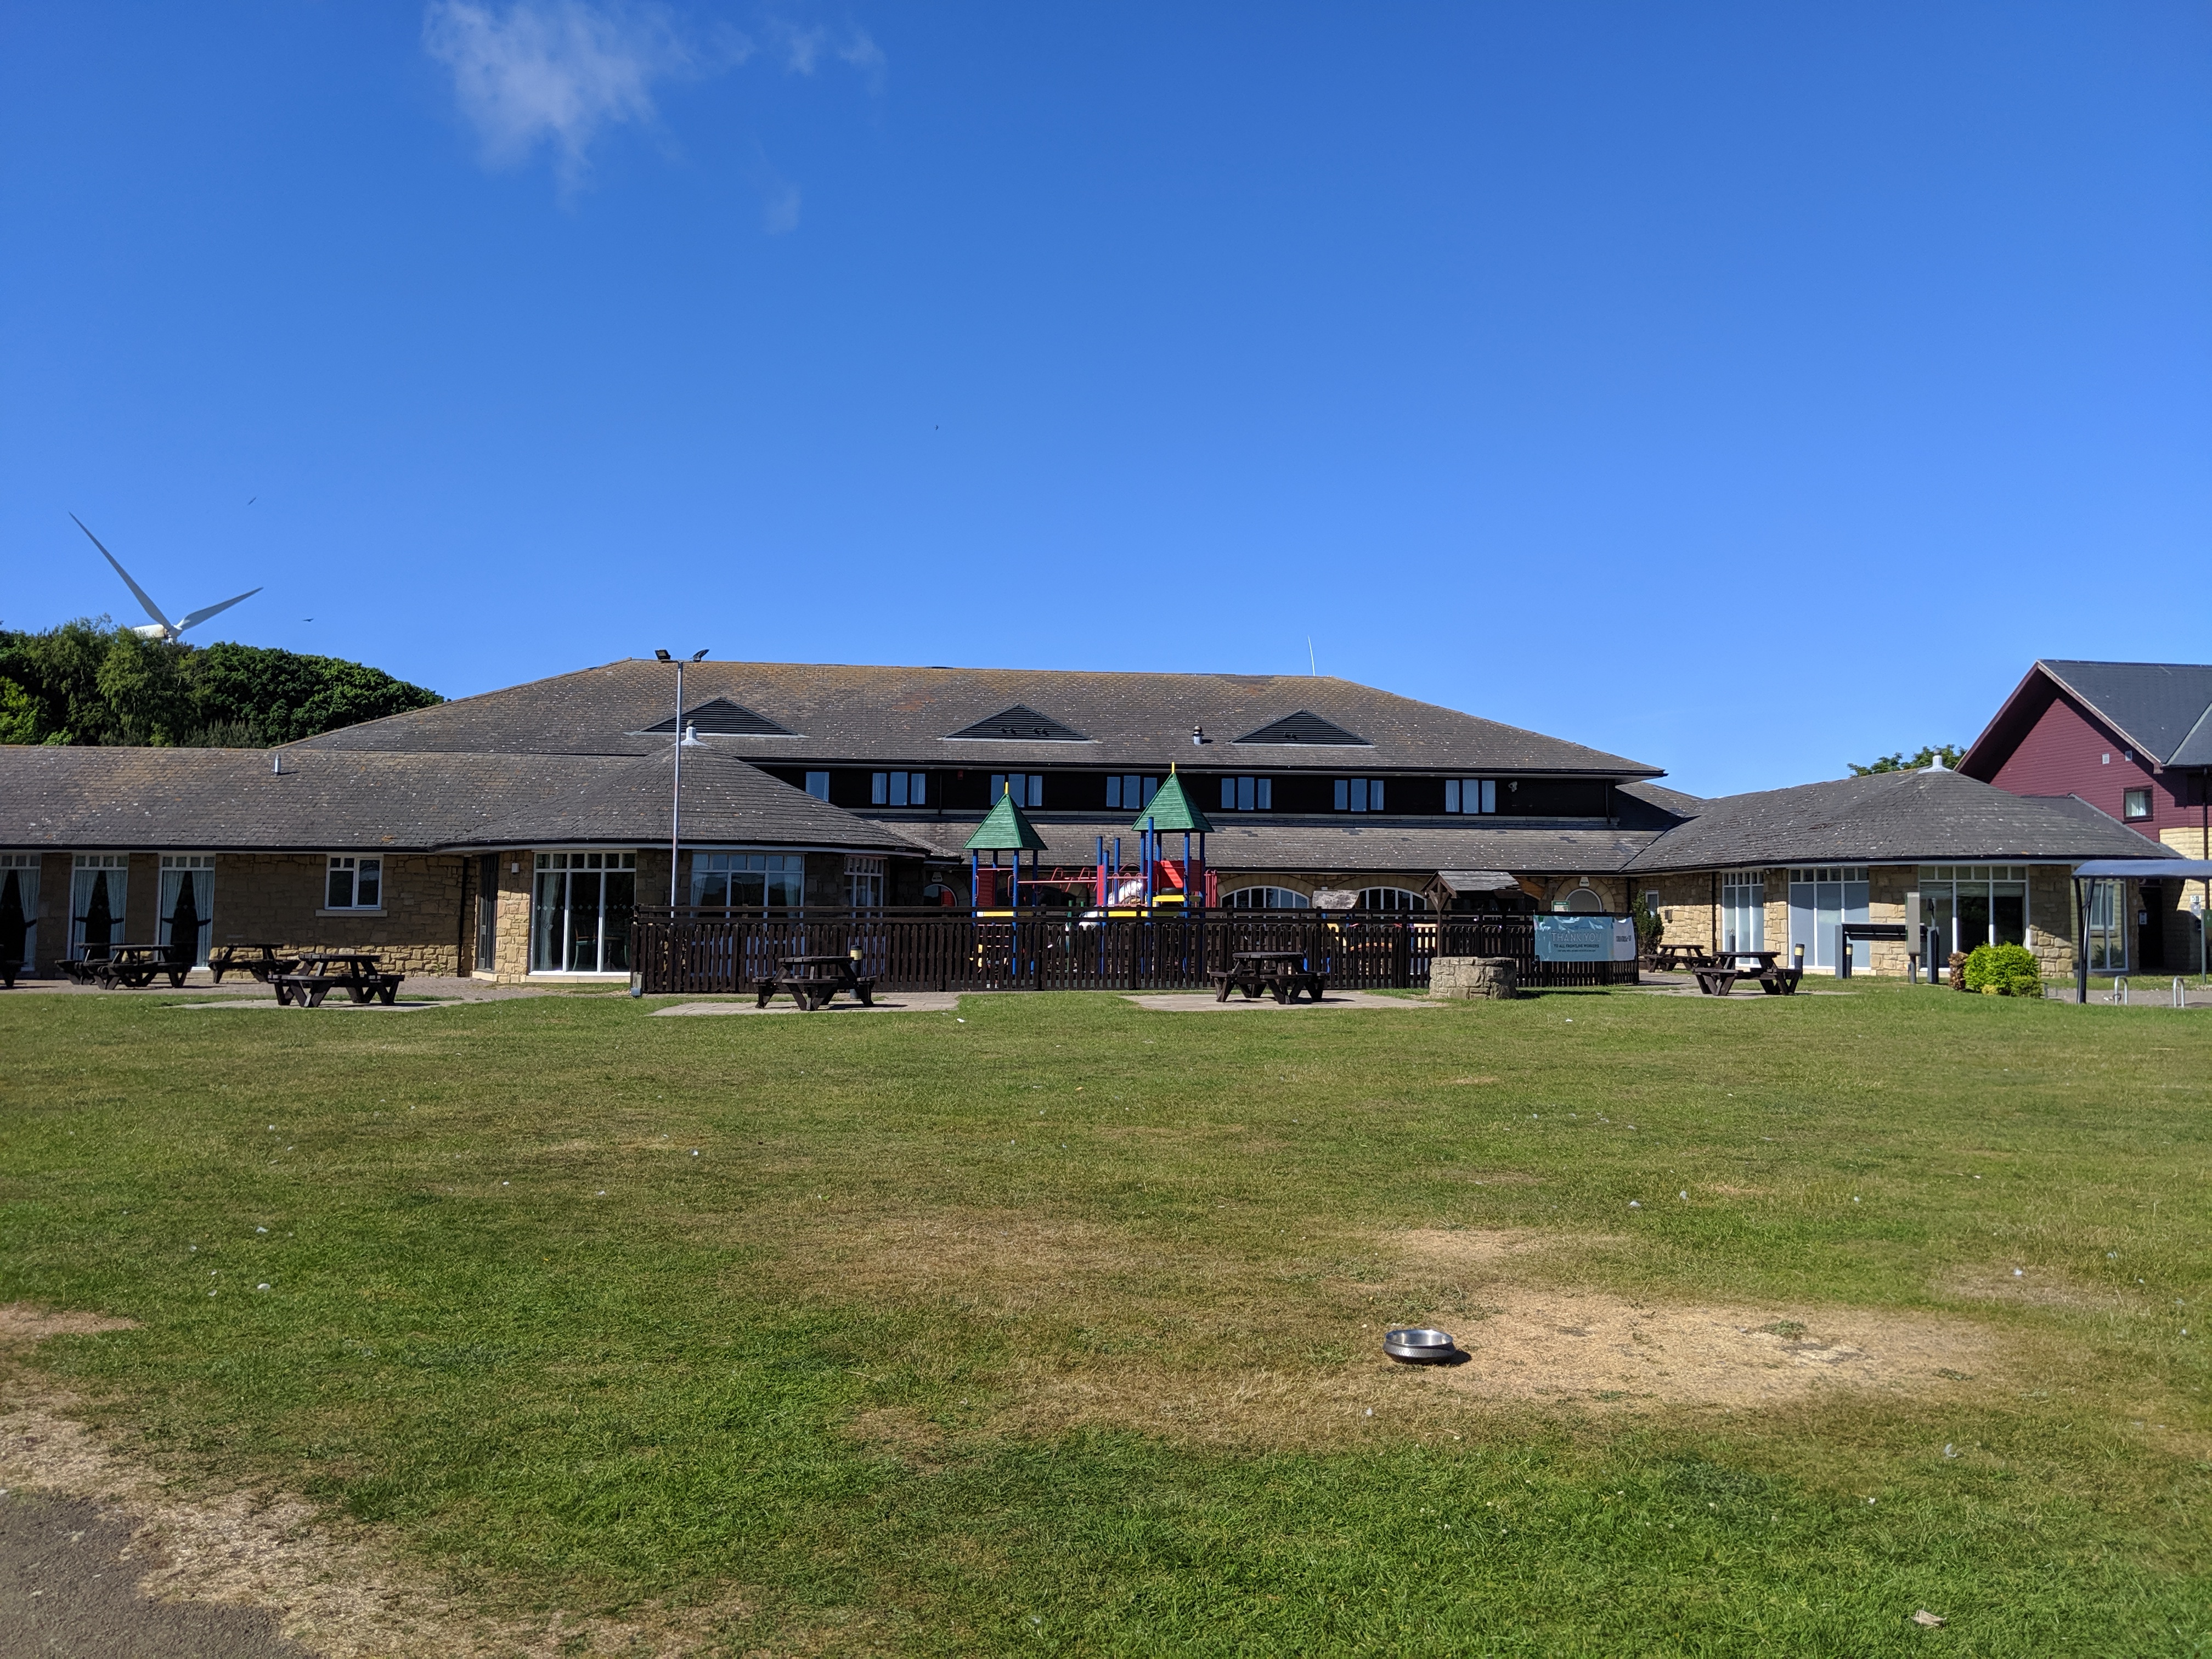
1129 791
1822 898
1470 794
579 913
98 884
354 884
864 884
2105 927
1391 898
756 880
19 907
1581 902
1359 794
1970 904
1248 795
1743 910
188 902
1266 898
817 785
2135 803
1027 788
899 789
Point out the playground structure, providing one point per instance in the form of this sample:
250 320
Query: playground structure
1112 887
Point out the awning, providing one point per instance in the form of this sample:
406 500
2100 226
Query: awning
2149 869
1479 881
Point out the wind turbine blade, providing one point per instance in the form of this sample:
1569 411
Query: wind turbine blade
198 616
152 610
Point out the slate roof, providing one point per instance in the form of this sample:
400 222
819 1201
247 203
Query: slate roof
1889 817
862 715
2159 707
228 800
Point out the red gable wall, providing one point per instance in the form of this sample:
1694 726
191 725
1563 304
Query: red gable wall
2064 753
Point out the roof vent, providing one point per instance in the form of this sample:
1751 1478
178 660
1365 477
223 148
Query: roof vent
721 718
1305 727
1020 724
1936 765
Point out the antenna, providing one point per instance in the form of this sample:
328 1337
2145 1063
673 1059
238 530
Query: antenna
1311 668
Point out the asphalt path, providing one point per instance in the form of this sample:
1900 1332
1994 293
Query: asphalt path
66 1592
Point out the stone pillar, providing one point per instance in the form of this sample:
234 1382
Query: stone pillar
1465 978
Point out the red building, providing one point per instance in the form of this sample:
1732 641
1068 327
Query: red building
2133 740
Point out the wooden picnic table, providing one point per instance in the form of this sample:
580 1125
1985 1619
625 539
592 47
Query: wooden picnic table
1282 973
1677 955
811 980
1718 978
132 965
321 972
258 958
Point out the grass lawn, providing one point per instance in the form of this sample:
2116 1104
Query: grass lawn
1054 1326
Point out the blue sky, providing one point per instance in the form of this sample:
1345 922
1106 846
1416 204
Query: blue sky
1746 388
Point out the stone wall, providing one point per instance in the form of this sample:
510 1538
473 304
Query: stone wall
278 897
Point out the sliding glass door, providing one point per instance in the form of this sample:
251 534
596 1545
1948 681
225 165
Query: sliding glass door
99 883
580 912
1822 898
188 902
19 907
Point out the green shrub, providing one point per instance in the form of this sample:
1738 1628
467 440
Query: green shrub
2003 971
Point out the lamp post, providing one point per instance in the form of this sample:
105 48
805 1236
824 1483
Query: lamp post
685 739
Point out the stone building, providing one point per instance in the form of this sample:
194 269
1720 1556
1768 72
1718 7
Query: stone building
1783 869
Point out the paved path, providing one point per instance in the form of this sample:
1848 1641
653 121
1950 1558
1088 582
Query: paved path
887 1002
1202 1002
69 1589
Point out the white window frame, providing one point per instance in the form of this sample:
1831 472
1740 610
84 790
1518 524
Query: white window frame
2127 798
1470 794
1018 785
27 868
1414 902
564 862
1276 898
353 866
1742 920
118 867
1820 949
726 861
899 789
1248 795
864 883
186 865
1130 792
2104 926
1358 794
1941 882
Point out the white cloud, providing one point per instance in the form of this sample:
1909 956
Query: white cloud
557 72
803 49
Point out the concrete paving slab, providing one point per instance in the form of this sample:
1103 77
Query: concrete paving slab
893 1002
1202 1002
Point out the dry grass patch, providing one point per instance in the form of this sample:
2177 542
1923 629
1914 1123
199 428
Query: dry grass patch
2015 1285
21 1325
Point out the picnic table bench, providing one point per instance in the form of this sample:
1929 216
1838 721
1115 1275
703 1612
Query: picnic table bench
1282 973
1677 955
319 973
1717 976
9 968
260 960
132 965
810 982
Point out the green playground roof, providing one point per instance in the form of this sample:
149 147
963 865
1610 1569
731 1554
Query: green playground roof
1006 830
1173 809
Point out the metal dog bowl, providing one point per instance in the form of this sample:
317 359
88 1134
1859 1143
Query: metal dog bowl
1420 1347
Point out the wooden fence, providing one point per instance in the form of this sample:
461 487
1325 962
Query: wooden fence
693 950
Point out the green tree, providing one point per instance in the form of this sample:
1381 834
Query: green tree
90 682
1948 753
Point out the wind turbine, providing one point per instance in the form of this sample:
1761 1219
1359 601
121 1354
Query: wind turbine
161 628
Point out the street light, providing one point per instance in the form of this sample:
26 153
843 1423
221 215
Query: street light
687 737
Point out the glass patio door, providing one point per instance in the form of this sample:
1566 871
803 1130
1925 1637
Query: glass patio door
1822 898
99 884
188 902
579 913
19 907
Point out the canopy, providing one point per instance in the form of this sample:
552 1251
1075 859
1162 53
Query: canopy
1172 809
1005 830
2149 869
1477 881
